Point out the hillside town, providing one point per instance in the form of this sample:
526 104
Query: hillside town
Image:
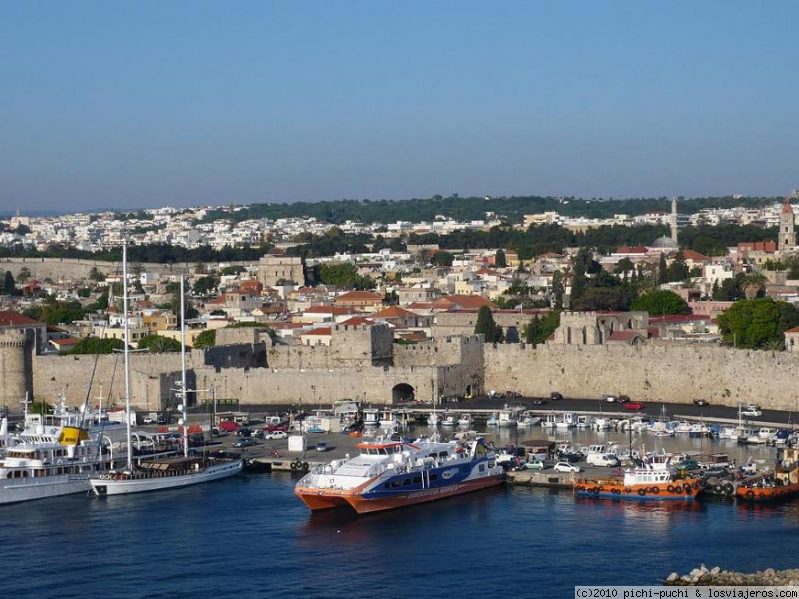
420 291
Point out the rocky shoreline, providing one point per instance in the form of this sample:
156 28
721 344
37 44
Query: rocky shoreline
702 576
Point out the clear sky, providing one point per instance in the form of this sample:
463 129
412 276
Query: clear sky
138 104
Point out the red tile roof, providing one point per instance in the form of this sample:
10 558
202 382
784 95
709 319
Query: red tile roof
319 331
395 312
9 318
358 321
464 302
636 249
695 256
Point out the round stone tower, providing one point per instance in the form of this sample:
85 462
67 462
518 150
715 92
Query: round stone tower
16 366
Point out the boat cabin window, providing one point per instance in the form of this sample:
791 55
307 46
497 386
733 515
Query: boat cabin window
417 480
406 482
434 477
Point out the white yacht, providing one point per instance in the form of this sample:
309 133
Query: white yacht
169 472
54 455
465 420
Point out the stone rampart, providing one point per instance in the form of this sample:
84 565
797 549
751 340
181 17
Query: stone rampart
648 373
74 268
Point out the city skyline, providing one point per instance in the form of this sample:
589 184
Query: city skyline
124 107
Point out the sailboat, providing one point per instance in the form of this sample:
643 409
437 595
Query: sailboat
156 474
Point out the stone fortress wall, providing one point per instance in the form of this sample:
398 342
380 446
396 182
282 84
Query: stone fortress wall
649 373
75 268
356 366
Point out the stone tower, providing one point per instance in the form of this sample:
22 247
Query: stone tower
673 220
787 238
16 366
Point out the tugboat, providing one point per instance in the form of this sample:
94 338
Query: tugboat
782 484
641 484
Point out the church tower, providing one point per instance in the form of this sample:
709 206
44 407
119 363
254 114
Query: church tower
787 238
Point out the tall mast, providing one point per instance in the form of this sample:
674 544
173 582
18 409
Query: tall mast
127 352
184 395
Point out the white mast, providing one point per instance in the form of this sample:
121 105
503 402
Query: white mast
184 395
127 353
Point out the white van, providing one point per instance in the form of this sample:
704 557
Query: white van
602 459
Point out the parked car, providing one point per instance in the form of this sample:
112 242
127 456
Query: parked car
752 411
533 465
148 420
701 402
243 432
321 446
162 420
539 402
555 396
566 467
609 397
244 442
686 465
633 405
275 435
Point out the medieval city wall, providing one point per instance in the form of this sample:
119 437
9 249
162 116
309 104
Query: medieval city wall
648 373
74 268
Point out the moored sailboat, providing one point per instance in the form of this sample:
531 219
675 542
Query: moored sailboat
162 473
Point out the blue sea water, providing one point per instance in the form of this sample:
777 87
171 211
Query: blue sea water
249 536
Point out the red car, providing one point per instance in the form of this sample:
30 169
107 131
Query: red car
633 405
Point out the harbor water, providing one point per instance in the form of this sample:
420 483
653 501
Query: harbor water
249 536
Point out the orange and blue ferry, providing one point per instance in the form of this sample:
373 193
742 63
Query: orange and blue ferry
387 475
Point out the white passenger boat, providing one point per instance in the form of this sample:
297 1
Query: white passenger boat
465 420
391 474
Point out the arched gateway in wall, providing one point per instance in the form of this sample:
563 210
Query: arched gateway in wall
401 393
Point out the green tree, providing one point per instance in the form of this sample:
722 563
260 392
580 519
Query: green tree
84 292
757 323
344 275
96 275
442 258
24 275
499 259
659 302
557 290
205 339
205 285
604 298
158 344
678 269
663 270
538 330
491 331
94 345
8 285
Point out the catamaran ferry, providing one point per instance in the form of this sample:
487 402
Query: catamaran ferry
390 474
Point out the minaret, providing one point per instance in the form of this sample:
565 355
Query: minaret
787 238
674 220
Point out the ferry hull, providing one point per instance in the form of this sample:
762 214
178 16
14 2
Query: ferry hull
679 490
325 499
103 486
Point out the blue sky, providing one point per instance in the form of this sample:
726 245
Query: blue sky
111 104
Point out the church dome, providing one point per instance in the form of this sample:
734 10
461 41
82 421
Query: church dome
666 243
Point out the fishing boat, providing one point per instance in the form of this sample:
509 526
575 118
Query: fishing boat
155 474
434 419
507 417
390 474
449 420
640 484
465 420
781 484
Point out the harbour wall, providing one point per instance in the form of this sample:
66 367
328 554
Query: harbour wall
682 373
